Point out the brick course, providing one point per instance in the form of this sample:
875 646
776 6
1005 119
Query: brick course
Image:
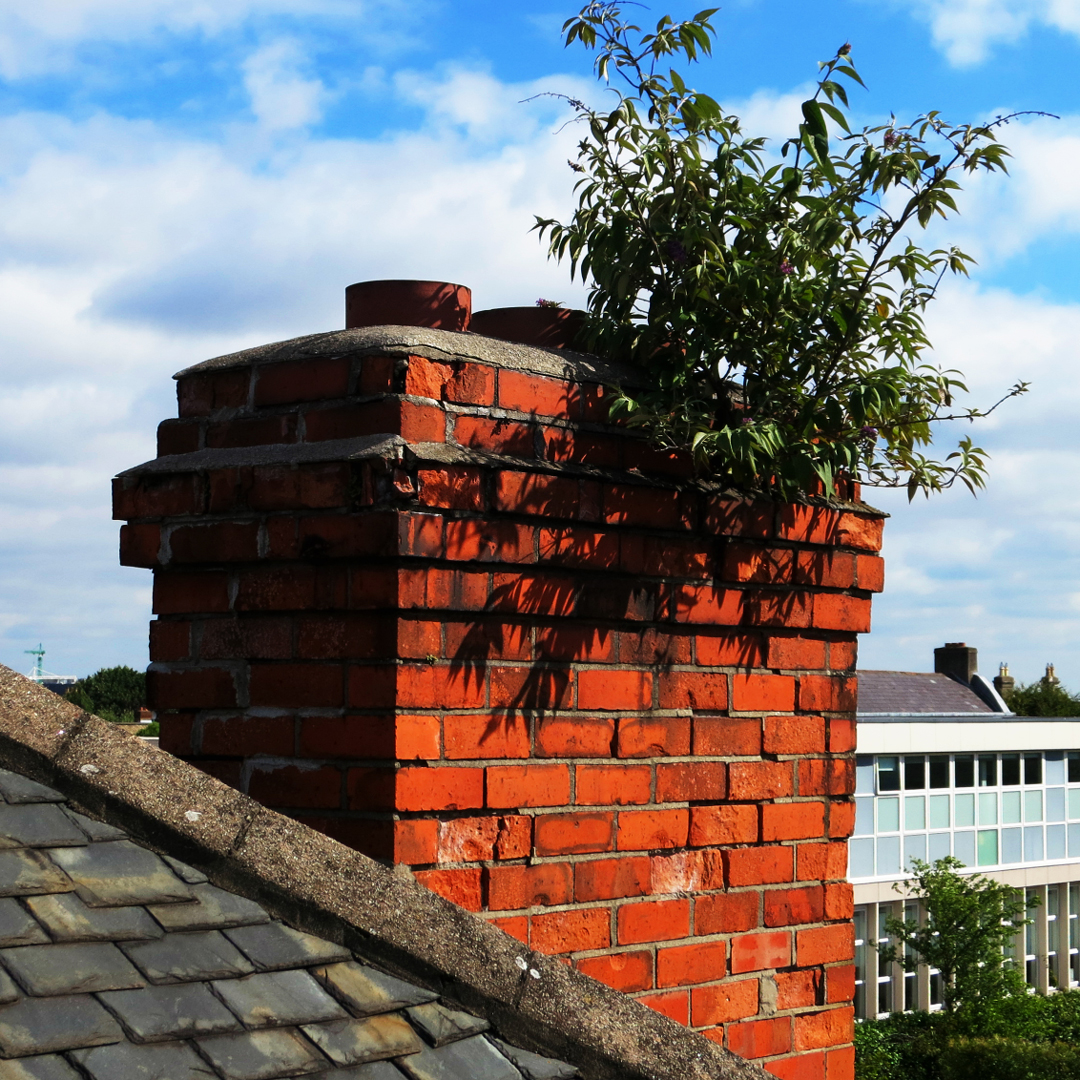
532 658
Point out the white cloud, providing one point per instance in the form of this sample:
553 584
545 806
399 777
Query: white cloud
281 98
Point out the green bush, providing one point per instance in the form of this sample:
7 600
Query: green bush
112 693
905 1046
1009 1059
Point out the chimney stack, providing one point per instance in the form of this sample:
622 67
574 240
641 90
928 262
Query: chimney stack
957 660
1004 683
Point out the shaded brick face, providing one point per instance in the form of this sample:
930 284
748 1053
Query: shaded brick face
583 695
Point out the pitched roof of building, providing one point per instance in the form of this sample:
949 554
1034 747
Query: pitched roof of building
155 923
908 693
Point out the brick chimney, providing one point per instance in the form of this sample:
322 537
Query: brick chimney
413 589
957 660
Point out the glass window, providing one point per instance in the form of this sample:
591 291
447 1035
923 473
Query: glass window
988 770
914 773
1055 841
864 775
939 811
1074 802
1055 804
1073 758
914 848
1010 807
888 855
915 812
1010 771
860 963
1033 806
1055 767
964 847
965 809
888 774
861 858
1033 769
1012 845
988 847
888 815
988 809
939 771
864 817
1074 841
964 770
1033 843
940 846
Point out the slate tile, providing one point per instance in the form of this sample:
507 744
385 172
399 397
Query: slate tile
83 968
467 1059
367 991
21 789
352 1042
185 872
8 990
125 1061
67 918
214 909
278 999
188 957
376 1070
441 1025
170 1012
277 946
27 873
534 1066
95 830
118 873
44 1067
38 825
17 926
45 1025
262 1055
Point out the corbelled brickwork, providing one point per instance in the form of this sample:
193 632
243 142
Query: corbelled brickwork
412 589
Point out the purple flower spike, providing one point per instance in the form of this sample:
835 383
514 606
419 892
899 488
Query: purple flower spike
786 268
676 252
868 432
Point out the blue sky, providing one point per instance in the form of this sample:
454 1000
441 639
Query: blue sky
180 178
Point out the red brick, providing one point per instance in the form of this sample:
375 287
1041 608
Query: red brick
426 378
835 611
652 646
809 524
643 736
840 984
536 687
724 1003
839 901
844 654
169 641
619 785
725 736
237 736
489 541
574 834
790 907
511 887
416 738
328 637
528 785
140 545
625 971
674 1004
727 913
374 686
697 781
205 688
588 644
760 1038
452 486
571 931
840 1063
871 573
466 737
178 437
483 838
739 517
759 693
351 737
654 508
471 384
611 879
693 690
841 820
418 638
297 685
829 569
792 821
447 788
495 436
796 652
312 379
686 965
416 841
727 824
579 547
756 952
841 735
857 531
199 395
828 1027
425 686
827 776
828 693
585 737
647 830
825 945
662 920
758 866
533 394
157 495
768 608
822 862
706 604
801 1067
185 593
755 781
420 535
797 989
794 735
251 431
730 650
605 689
460 886
176 733
687 872
296 786
751 562
517 926
536 493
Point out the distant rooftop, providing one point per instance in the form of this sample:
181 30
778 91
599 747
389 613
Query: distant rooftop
907 693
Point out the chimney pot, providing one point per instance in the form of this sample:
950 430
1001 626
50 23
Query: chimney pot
957 660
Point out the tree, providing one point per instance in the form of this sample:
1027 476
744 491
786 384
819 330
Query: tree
1042 698
112 693
776 302
970 920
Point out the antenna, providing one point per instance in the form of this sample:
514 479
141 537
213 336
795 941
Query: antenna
38 671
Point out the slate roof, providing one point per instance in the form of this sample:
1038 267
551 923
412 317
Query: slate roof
158 925
904 693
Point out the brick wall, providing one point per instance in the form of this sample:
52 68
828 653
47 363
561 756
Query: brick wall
412 589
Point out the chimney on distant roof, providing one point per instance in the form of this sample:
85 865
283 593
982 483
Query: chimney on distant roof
1004 683
1050 678
957 660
